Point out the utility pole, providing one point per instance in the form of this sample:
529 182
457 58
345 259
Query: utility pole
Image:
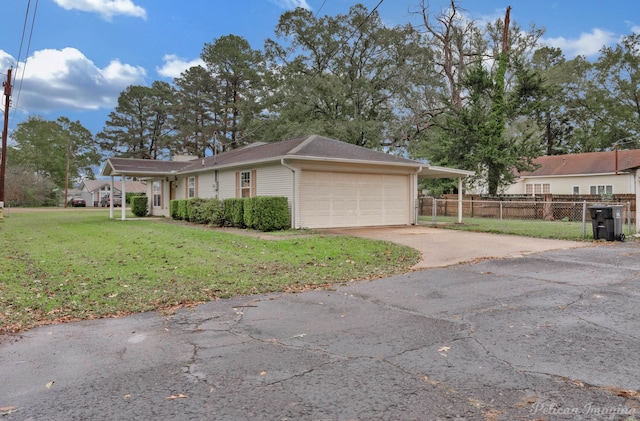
5 129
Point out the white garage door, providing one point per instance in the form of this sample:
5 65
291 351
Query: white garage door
334 199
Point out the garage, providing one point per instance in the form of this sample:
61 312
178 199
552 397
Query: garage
342 199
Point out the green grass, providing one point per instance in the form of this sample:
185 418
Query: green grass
564 230
78 264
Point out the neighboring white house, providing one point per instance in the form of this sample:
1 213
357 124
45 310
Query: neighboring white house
611 172
92 191
328 183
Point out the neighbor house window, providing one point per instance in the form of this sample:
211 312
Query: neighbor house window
533 189
191 187
246 183
576 189
157 193
604 189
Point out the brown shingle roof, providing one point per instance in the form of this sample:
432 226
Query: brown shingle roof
585 163
141 167
311 147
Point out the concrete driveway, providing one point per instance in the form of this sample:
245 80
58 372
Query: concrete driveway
545 336
443 247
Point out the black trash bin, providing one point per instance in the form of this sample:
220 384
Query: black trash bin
607 222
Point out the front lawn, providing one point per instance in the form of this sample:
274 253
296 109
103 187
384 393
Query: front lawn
78 264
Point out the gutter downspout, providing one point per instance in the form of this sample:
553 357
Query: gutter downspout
294 221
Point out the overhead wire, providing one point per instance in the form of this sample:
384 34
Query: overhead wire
24 68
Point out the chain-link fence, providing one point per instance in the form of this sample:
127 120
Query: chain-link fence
553 219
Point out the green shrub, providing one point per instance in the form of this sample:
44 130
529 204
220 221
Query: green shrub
131 195
173 209
269 213
139 205
193 212
206 211
182 210
234 212
249 212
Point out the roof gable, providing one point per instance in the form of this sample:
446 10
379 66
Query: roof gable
312 147
584 163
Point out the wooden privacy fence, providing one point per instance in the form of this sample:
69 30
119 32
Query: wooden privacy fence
547 207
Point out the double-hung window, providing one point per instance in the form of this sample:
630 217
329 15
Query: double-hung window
601 189
191 187
533 189
157 193
246 183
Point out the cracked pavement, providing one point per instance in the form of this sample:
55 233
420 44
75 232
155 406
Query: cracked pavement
546 336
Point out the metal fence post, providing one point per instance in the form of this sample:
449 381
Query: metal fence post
629 218
584 219
434 211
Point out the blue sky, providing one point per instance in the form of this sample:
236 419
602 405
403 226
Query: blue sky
83 53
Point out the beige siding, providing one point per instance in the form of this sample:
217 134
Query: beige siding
206 184
274 181
622 184
226 184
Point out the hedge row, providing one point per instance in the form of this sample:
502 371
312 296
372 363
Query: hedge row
263 213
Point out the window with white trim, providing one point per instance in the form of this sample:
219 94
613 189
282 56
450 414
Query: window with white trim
245 184
601 189
191 187
533 189
576 189
157 193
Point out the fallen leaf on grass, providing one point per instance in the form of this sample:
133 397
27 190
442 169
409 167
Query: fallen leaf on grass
178 396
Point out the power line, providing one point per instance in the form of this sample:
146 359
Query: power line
24 68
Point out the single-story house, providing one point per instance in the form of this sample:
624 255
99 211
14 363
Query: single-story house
328 183
610 172
92 191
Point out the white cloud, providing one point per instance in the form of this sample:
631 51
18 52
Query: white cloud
588 44
65 79
292 4
174 66
105 8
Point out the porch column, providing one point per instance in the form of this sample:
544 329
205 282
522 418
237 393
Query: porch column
123 195
459 200
637 191
111 197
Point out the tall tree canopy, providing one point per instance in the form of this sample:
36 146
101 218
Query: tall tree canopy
138 127
483 97
45 147
236 70
480 123
338 75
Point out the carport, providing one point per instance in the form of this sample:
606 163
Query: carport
140 169
431 172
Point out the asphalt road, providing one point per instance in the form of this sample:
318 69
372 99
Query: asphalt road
546 336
